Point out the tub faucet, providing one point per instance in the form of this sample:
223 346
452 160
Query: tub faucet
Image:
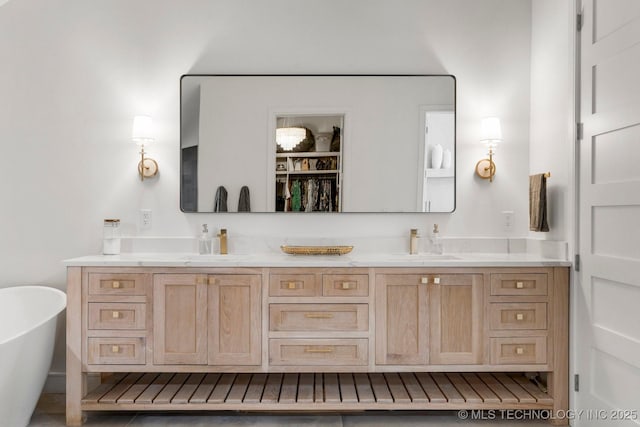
223 241
413 242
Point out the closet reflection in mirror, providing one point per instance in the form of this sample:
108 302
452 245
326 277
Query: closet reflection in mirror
360 143
308 163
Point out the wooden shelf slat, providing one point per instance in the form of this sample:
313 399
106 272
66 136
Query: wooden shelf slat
316 391
205 388
412 385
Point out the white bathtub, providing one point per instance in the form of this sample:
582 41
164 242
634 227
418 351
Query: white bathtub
27 333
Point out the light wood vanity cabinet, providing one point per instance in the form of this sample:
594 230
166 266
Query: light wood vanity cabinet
207 319
429 319
316 338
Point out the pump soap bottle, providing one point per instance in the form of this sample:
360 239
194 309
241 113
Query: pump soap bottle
205 242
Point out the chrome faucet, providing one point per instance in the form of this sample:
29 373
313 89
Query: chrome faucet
223 241
413 242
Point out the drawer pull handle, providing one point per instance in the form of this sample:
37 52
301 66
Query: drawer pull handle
115 349
115 314
519 316
292 285
424 280
519 350
346 285
436 280
318 350
318 315
519 285
115 284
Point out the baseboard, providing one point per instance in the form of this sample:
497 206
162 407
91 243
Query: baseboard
57 382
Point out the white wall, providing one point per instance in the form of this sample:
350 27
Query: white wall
75 72
552 111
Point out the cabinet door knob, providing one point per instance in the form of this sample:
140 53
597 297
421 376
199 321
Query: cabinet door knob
436 280
115 284
115 314
291 285
519 285
519 316
346 285
519 350
115 349
424 280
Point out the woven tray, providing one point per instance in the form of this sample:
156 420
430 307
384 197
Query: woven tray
316 250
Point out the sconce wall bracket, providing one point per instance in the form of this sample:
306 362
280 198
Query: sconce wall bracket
147 167
486 168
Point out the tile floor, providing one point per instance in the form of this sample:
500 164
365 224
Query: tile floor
50 412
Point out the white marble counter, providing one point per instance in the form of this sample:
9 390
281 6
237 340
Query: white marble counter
349 260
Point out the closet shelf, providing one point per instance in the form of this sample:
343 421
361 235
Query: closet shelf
308 172
308 154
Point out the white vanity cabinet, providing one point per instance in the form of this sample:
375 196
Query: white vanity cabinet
320 339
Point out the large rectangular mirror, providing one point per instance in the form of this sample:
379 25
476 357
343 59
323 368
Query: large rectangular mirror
317 143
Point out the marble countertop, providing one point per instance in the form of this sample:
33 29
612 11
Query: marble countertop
349 260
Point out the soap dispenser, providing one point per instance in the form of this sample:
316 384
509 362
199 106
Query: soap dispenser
205 242
436 243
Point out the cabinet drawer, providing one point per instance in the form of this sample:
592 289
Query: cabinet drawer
519 315
519 284
116 351
319 317
345 285
111 315
318 352
518 350
117 284
293 285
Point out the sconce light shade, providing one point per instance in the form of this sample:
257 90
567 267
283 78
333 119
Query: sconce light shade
142 133
490 134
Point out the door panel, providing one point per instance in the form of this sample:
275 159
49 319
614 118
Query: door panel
608 286
179 319
456 319
402 327
234 319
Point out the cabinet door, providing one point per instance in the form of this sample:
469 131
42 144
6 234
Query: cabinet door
235 319
456 319
179 319
402 329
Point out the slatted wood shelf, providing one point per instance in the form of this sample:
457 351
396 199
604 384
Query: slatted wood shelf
316 392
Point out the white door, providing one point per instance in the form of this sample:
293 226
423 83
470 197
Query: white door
608 285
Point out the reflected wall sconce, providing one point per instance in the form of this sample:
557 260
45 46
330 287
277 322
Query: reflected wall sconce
142 134
491 135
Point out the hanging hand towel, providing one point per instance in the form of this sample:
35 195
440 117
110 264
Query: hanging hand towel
244 204
221 200
538 203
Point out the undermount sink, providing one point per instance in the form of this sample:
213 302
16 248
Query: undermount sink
415 257
216 257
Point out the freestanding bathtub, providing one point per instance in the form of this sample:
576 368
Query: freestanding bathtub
27 333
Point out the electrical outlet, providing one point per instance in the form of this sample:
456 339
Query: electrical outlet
507 220
145 219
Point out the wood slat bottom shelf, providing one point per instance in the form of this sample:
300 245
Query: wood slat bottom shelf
315 392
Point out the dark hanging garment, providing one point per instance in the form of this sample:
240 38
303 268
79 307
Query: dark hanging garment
244 204
220 204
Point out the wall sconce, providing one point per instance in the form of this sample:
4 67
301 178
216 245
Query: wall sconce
141 134
491 135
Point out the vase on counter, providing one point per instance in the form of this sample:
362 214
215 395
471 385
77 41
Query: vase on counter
436 156
446 159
